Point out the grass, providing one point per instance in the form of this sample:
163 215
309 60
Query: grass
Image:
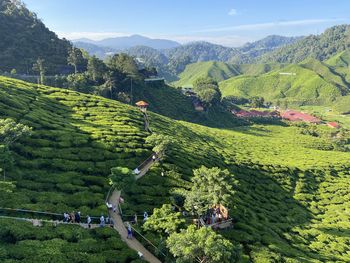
292 200
22 242
216 70
306 87
220 71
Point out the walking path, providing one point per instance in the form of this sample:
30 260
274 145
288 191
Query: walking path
39 222
120 227
119 224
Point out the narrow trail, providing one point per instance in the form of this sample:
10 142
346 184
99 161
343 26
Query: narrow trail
119 224
39 222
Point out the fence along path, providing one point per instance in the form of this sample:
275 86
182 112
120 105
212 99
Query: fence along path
118 221
112 198
39 222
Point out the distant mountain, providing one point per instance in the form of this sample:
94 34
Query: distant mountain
120 43
321 47
251 51
24 39
173 61
92 49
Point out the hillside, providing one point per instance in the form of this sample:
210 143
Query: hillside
291 200
24 39
321 47
220 71
216 70
92 49
308 83
250 52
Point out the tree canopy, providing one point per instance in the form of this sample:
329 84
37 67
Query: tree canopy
211 186
160 143
201 245
122 177
164 220
207 90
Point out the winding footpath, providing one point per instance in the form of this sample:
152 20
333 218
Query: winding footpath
120 226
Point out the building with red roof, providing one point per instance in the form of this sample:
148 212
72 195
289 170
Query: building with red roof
333 125
292 115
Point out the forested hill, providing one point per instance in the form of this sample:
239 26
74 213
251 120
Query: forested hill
24 39
331 42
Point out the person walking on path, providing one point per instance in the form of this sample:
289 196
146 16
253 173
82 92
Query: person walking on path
102 221
89 221
154 157
134 221
145 216
77 217
65 217
129 231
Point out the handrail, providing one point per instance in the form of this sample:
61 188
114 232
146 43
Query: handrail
109 193
46 221
148 241
146 161
39 212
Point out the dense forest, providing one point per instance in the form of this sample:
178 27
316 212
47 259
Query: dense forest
25 39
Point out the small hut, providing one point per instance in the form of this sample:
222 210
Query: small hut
142 105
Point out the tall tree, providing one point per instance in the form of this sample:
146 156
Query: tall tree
164 220
201 245
76 59
40 68
10 132
96 68
211 186
124 64
207 90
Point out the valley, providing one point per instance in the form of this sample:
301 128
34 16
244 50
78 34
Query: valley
146 148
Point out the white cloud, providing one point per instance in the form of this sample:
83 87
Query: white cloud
232 12
90 35
270 25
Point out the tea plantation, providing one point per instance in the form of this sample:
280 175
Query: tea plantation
292 202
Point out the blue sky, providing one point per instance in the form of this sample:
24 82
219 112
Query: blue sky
231 23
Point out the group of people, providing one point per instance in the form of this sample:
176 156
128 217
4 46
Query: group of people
106 221
213 216
73 217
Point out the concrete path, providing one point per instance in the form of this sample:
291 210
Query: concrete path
120 227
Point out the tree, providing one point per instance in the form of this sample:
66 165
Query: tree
207 90
122 177
211 186
164 220
257 102
80 82
124 64
160 143
76 59
201 245
40 68
96 68
10 132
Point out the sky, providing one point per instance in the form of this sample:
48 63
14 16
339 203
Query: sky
225 22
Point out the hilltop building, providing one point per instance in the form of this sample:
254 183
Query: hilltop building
292 115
